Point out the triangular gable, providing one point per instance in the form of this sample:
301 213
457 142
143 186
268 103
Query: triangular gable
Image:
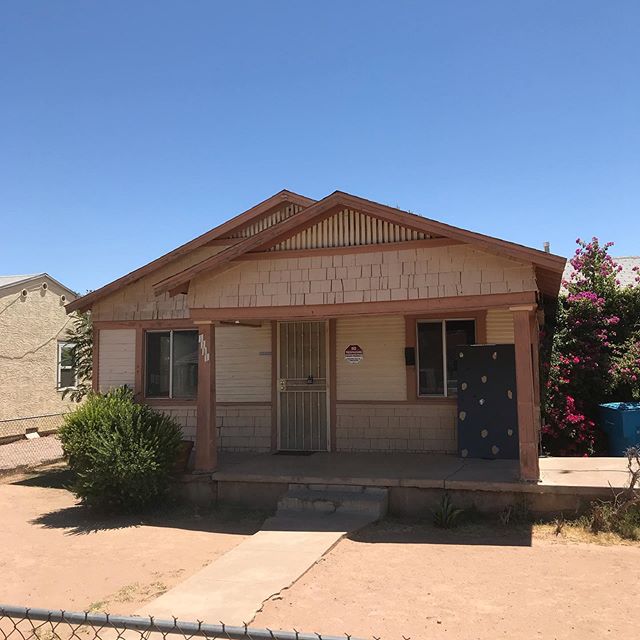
283 204
349 228
337 202
265 222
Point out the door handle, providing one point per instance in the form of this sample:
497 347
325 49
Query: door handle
283 384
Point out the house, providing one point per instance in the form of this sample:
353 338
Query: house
331 325
34 352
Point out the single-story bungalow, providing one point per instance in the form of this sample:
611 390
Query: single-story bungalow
339 325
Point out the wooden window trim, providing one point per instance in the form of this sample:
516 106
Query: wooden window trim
140 369
480 318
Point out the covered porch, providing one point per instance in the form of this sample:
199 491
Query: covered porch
425 427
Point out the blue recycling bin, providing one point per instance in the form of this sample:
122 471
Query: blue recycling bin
621 422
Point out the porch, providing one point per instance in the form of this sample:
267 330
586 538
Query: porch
416 481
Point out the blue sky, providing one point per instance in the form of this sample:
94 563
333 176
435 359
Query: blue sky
127 128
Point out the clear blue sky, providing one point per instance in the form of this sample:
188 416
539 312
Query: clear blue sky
127 128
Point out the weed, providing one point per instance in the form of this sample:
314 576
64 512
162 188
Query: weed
446 515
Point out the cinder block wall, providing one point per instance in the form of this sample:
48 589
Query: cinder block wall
401 427
240 428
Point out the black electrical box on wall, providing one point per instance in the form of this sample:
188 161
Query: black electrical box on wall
410 356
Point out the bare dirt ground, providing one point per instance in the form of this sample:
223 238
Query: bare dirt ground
393 580
55 555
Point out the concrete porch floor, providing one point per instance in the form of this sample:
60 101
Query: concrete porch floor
426 471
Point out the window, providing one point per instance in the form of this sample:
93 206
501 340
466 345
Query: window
171 369
438 343
66 372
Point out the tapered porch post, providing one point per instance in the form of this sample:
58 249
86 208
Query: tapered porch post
206 457
528 422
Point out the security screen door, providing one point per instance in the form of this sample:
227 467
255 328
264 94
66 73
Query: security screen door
302 385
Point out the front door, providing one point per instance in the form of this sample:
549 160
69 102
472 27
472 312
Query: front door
302 385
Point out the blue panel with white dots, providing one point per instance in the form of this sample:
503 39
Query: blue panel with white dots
487 407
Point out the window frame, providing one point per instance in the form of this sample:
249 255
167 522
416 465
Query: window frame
170 396
61 344
445 371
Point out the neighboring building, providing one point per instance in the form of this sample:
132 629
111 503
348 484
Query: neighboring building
34 362
627 276
329 325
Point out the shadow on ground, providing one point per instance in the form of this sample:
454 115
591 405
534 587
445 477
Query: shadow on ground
80 520
474 530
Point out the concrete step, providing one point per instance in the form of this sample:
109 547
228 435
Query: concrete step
340 499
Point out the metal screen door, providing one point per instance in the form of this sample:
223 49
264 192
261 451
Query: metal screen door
302 384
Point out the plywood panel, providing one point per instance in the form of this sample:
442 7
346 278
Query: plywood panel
243 364
381 373
117 358
499 326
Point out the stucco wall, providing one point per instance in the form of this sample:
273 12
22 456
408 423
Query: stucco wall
362 277
30 328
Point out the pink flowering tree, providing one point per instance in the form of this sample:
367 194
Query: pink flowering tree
594 353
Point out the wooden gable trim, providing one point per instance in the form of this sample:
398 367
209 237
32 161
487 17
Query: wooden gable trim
393 307
427 243
211 237
338 201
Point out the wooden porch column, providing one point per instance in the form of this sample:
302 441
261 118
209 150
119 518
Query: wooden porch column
525 385
206 457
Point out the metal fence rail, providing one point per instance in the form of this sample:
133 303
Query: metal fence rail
23 623
29 441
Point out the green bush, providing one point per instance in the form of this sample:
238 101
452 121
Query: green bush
121 452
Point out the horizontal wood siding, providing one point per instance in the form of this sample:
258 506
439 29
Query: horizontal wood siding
381 373
349 229
499 326
243 364
116 358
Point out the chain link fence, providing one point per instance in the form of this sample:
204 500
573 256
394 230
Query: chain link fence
19 623
29 442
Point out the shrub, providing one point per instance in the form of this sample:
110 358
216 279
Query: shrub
622 514
594 356
121 452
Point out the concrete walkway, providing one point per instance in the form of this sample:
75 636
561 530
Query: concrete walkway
233 588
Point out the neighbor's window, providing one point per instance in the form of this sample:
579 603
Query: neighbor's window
66 372
171 369
438 343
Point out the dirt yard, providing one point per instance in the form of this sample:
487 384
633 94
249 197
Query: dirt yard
390 580
54 556
395 580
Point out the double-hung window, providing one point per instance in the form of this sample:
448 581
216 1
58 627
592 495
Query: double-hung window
438 342
171 364
66 372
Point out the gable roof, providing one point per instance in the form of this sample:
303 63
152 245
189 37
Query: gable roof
226 229
11 281
550 266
